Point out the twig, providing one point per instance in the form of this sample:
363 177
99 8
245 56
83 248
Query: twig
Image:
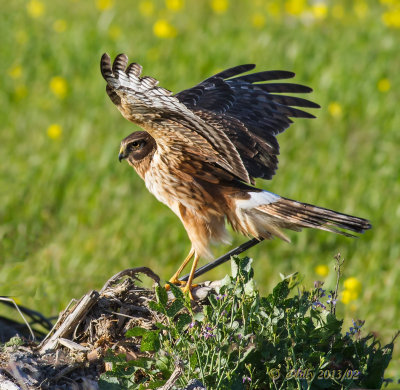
132 273
338 269
20 313
174 376
215 263
17 374
71 321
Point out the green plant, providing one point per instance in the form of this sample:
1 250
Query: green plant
240 340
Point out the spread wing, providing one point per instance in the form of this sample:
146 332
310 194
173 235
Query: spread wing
249 112
176 129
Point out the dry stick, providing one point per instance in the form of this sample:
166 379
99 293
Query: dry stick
5 299
169 384
215 263
71 321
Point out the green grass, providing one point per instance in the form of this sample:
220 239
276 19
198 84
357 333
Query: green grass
71 216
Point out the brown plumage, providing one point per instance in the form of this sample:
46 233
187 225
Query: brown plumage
203 148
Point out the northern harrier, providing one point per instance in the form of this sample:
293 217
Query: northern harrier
203 148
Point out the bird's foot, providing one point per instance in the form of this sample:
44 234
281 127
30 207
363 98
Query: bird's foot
183 286
174 281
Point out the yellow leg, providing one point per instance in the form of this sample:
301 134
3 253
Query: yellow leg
174 279
188 286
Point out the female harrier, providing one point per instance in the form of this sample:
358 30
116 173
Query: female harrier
204 146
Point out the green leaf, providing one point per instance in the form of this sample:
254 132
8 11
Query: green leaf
162 296
213 301
234 266
178 293
281 291
183 321
226 281
161 326
249 287
113 358
156 307
198 317
193 361
175 308
155 384
150 342
108 383
245 264
136 332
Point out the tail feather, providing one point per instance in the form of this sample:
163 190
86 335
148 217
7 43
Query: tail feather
294 213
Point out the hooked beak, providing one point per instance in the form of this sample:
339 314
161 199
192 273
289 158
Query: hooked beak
121 155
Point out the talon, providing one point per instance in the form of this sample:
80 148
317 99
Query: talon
176 281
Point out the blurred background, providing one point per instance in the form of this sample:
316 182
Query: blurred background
71 216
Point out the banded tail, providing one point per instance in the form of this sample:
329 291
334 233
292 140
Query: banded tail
262 214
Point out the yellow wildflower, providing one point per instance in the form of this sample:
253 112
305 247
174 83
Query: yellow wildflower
15 72
104 5
346 297
114 32
392 18
58 86
146 8
174 5
35 8
338 11
352 284
384 85
319 11
258 20
322 270
335 109
163 29
219 6
54 131
60 25
295 7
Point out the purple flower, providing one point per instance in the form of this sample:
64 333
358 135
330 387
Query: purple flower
207 335
192 324
219 297
355 329
317 303
331 300
246 379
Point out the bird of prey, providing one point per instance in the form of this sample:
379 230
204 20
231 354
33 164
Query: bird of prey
203 148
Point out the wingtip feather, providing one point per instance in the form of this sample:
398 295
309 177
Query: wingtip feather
105 66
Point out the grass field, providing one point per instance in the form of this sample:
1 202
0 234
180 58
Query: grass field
71 215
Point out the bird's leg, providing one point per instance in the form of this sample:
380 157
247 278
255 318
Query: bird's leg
188 287
174 279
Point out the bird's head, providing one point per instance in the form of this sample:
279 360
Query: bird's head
136 147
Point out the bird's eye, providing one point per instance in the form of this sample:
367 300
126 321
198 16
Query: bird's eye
137 144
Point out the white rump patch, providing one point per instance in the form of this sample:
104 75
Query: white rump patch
257 199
